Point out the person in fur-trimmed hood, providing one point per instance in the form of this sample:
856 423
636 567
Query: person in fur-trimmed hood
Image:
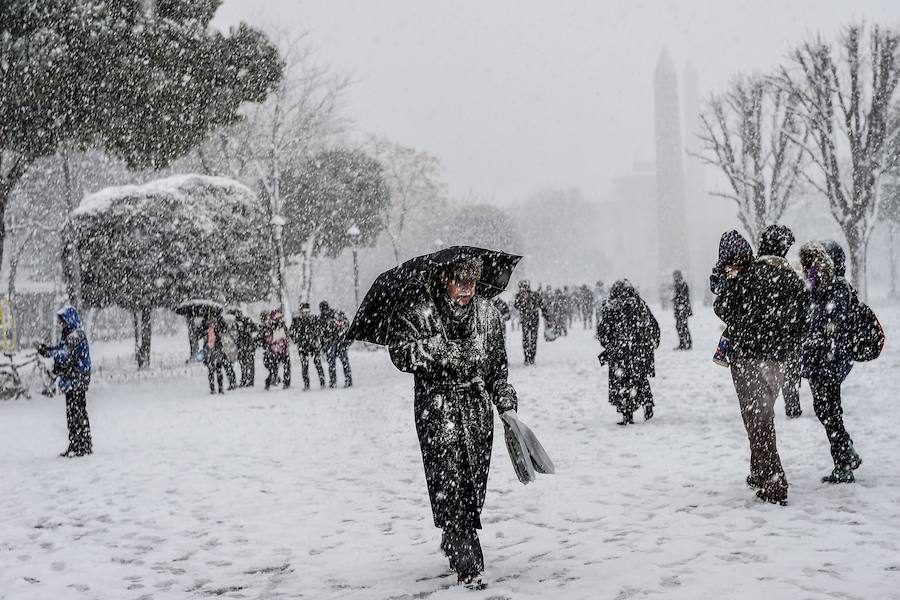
763 305
825 355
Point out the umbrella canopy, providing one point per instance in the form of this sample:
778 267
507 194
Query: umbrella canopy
199 307
399 286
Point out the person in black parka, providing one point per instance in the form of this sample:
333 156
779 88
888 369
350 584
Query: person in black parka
452 341
763 306
247 333
333 330
630 334
776 240
681 303
529 304
306 333
825 357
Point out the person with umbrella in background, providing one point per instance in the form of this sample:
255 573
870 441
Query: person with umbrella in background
436 316
72 366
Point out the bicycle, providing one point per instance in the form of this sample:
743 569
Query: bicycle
17 380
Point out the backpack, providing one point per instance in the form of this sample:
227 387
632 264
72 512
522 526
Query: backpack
866 336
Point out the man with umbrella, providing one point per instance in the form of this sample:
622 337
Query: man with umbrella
436 316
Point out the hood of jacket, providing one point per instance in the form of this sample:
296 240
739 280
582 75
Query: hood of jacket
734 250
69 316
775 261
837 257
813 255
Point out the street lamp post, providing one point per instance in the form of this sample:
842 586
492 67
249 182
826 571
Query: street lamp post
278 222
354 233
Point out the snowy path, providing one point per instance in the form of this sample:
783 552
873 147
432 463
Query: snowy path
322 495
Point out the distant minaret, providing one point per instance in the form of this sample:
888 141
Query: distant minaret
670 184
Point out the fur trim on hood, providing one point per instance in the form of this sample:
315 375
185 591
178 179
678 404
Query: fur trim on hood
813 255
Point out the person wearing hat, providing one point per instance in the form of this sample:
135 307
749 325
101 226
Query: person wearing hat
72 367
529 305
775 242
279 346
306 333
333 326
763 306
452 340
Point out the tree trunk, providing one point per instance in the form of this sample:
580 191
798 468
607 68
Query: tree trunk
146 331
892 255
137 337
71 265
858 265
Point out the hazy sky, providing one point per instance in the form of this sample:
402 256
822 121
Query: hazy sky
514 96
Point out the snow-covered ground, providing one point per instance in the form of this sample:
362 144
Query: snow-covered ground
285 494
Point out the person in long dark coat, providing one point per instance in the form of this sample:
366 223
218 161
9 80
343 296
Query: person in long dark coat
776 240
215 354
681 303
629 334
763 306
826 359
529 304
247 332
452 341
72 366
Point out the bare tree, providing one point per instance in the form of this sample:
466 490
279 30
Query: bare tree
844 97
747 132
293 123
414 179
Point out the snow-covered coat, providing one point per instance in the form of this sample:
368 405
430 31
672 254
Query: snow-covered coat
529 304
764 307
276 335
629 334
457 356
826 345
306 332
72 356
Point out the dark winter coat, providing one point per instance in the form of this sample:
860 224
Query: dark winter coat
457 356
529 304
628 332
681 299
826 345
502 308
246 332
72 356
764 307
333 326
306 332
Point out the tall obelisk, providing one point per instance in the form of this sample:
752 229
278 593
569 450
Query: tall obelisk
670 180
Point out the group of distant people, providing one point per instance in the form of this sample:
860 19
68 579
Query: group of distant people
233 337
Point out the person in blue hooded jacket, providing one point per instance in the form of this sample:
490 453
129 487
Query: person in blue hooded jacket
72 367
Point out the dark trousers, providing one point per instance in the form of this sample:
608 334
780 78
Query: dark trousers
333 352
463 550
529 340
317 361
248 367
791 388
214 367
229 373
275 361
684 333
826 392
757 383
77 420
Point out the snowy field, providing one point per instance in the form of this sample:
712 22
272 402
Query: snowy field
284 494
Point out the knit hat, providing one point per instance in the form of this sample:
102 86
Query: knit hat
776 240
837 257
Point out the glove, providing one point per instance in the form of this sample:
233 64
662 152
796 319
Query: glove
42 349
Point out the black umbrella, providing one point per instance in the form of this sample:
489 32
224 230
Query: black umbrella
199 307
399 286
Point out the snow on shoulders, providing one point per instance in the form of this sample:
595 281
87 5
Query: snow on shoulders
183 186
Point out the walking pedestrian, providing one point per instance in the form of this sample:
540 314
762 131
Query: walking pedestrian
826 359
528 304
451 339
279 346
629 334
763 306
214 353
681 303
